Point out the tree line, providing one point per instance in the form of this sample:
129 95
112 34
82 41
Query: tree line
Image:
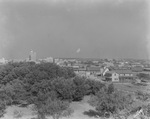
47 86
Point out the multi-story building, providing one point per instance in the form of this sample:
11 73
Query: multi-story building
32 56
120 75
112 76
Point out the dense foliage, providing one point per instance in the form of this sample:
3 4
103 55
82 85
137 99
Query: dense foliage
51 88
36 84
142 96
46 85
147 110
110 101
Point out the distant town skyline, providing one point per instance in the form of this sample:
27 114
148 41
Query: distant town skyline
74 28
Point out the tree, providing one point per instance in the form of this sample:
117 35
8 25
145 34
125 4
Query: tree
111 88
55 108
81 88
43 85
94 86
33 72
2 108
147 110
142 96
6 94
64 87
110 103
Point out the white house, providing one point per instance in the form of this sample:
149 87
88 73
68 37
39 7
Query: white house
112 76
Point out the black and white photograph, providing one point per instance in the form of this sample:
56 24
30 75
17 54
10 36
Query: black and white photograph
74 59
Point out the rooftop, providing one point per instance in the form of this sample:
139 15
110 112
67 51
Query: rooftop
124 71
93 68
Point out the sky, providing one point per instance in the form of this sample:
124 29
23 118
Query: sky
74 28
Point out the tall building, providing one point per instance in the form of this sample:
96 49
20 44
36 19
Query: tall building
32 56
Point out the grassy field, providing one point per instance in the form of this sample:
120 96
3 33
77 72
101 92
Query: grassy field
132 88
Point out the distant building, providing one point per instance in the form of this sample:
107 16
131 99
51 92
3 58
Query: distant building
80 70
126 75
108 64
137 69
136 64
93 70
32 56
120 76
3 61
104 70
49 59
112 76
58 61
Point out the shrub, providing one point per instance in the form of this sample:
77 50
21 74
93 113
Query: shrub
81 88
55 108
94 86
65 88
110 103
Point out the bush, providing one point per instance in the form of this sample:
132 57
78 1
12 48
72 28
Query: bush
110 103
147 110
55 108
94 86
111 88
65 88
81 88
2 108
142 96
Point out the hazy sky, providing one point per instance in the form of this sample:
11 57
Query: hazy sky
74 28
